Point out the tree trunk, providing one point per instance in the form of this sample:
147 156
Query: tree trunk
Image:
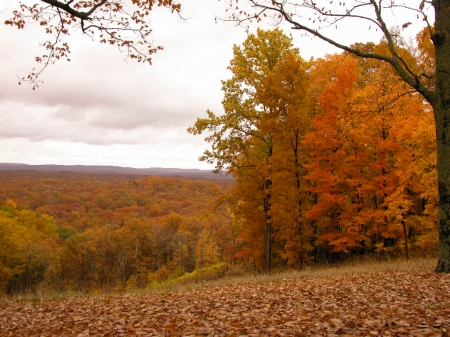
441 105
268 249
405 235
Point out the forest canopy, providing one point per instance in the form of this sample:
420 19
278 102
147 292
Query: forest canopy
85 232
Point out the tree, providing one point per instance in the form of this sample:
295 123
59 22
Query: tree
285 93
240 145
369 156
313 17
328 148
123 23
207 252
28 244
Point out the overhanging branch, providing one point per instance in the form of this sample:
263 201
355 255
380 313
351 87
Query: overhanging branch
66 7
401 67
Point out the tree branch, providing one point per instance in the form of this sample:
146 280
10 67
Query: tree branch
395 60
66 7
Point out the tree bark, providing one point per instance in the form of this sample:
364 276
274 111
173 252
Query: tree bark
405 235
268 236
441 108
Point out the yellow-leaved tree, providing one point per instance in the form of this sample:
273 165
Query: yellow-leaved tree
241 145
29 243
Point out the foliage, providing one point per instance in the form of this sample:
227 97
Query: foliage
235 134
245 138
108 233
200 275
28 241
339 159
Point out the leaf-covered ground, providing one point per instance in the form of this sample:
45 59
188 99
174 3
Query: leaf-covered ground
374 304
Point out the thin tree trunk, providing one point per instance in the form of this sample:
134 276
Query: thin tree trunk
405 234
268 238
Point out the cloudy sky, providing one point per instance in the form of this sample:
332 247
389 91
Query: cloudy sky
102 110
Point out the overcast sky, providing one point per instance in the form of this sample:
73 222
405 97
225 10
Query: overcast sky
101 110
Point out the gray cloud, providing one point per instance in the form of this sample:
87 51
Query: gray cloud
100 109
39 123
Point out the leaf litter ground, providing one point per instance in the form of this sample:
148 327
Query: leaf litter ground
373 304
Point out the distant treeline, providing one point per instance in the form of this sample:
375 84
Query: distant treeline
117 170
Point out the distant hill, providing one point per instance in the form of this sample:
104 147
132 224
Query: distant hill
153 171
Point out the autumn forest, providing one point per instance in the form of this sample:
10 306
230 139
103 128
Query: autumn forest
331 159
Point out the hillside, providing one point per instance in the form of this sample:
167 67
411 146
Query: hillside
95 232
154 171
401 303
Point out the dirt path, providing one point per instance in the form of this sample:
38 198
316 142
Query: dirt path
375 304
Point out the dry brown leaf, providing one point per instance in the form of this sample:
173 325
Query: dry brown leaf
376 304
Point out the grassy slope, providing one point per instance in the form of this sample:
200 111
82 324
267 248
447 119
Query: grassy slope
344 269
380 299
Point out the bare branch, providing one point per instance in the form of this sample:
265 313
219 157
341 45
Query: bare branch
66 7
298 22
